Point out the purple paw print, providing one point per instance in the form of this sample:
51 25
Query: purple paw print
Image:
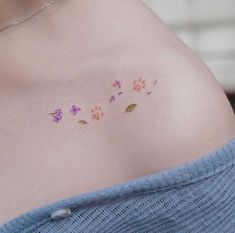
57 115
74 110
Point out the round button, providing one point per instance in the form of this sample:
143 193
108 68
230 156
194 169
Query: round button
58 214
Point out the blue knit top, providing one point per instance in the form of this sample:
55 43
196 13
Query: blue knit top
197 196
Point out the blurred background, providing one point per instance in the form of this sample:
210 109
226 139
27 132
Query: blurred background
208 27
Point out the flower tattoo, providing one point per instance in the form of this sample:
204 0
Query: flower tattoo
57 115
97 112
117 83
112 98
74 110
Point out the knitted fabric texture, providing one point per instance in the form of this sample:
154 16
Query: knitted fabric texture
197 196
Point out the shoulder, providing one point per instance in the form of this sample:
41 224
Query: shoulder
187 115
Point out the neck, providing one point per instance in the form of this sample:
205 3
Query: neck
85 32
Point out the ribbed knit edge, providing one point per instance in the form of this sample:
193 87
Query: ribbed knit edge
186 173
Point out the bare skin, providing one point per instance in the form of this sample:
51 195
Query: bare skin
71 54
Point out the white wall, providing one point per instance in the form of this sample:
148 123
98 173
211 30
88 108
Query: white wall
208 27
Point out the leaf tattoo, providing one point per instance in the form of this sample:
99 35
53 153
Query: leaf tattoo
83 122
131 107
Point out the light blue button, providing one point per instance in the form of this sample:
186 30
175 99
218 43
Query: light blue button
59 214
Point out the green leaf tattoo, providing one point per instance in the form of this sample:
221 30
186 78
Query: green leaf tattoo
83 122
131 107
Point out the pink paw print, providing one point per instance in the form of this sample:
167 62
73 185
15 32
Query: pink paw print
97 113
139 84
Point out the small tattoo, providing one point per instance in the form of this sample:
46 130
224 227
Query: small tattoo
112 98
57 115
117 84
131 107
138 85
83 122
97 113
74 110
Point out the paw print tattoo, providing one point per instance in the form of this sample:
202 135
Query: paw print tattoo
97 113
57 115
138 84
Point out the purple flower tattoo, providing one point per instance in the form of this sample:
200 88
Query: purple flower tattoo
117 83
74 110
155 82
112 98
57 115
57 118
58 112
